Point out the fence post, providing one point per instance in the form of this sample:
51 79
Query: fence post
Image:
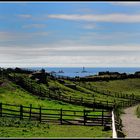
84 111
131 102
94 102
49 93
93 106
81 100
21 112
61 116
102 117
123 104
14 77
123 95
40 114
70 99
101 103
114 101
132 96
30 86
127 103
59 96
40 90
30 112
96 88
0 109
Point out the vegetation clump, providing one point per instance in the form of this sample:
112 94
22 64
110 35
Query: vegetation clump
138 111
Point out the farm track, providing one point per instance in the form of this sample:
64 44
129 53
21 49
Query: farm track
131 124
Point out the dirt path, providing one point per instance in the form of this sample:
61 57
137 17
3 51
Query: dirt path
131 124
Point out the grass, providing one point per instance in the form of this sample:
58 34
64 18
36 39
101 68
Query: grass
13 94
55 131
138 111
80 92
128 86
66 92
115 87
21 129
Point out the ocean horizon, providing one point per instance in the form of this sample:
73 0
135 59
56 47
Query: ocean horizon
84 71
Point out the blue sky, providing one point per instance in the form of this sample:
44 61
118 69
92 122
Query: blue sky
70 34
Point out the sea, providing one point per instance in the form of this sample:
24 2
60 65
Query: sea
84 71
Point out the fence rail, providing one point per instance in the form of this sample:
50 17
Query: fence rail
120 95
49 93
60 116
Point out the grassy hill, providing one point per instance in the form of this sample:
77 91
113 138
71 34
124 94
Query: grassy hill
80 92
14 94
128 86
37 94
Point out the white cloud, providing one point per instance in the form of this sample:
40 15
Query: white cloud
4 36
126 3
75 61
43 49
116 18
112 36
90 26
25 16
22 36
41 55
96 48
34 26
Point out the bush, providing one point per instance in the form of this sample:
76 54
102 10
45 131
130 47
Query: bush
12 122
138 111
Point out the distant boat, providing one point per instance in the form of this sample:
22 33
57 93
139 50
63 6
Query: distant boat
84 70
52 72
60 71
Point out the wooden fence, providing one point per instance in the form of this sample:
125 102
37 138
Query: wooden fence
57 95
109 93
118 124
59 116
132 99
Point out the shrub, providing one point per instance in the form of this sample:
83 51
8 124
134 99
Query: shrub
138 111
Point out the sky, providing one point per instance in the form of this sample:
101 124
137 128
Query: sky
70 34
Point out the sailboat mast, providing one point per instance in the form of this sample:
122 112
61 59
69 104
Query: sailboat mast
83 69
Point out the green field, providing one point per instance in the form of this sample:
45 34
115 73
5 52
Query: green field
81 90
128 86
14 94
37 130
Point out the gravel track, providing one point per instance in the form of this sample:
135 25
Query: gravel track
131 124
